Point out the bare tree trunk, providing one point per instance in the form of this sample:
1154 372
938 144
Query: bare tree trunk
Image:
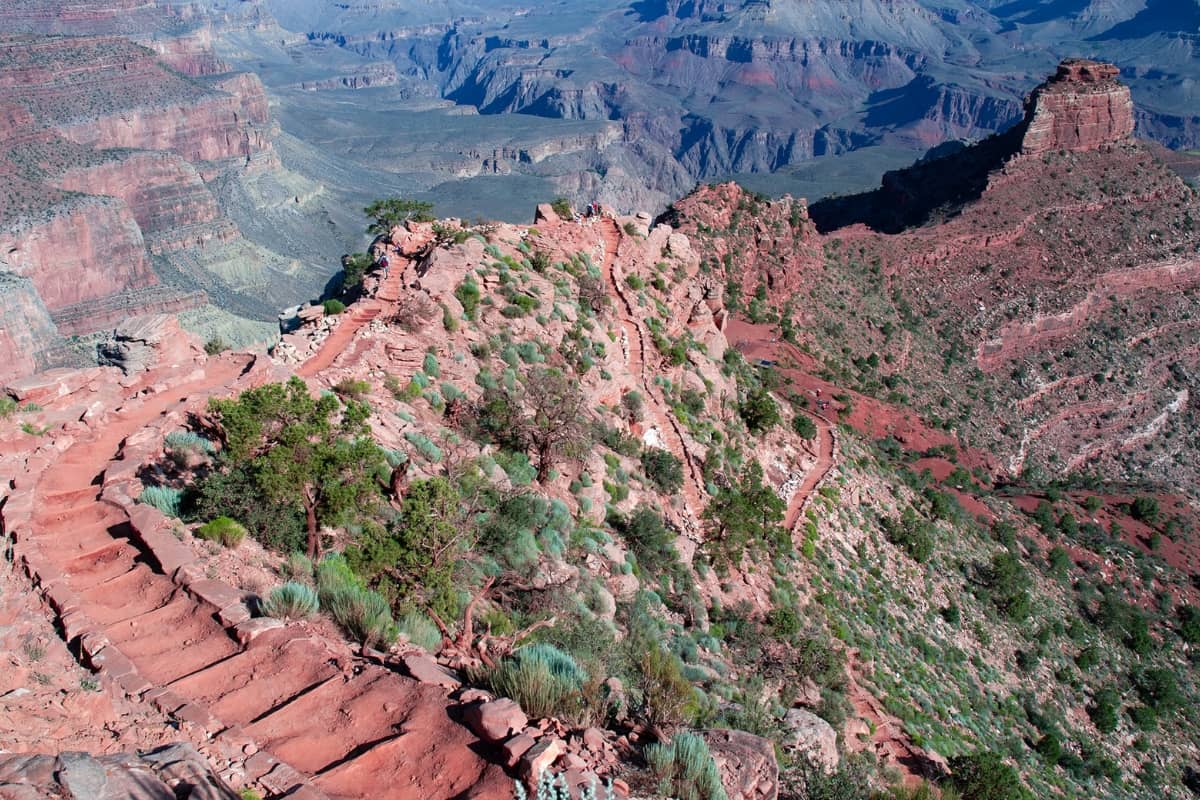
314 533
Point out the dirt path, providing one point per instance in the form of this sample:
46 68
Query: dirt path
759 346
664 420
358 730
358 315
825 463
886 737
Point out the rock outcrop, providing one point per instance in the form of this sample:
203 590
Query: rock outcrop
1082 107
177 772
749 770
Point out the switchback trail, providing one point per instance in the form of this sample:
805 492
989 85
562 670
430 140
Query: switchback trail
771 348
667 425
358 315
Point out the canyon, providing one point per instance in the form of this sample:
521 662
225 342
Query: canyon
851 489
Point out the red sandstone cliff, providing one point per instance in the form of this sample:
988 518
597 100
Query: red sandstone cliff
1081 108
106 151
86 249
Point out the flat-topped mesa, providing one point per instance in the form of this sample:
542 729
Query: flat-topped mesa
1083 107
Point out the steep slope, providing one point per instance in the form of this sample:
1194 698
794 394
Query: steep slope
1044 252
129 169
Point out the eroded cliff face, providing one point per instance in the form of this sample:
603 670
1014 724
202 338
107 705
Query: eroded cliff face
112 153
1082 107
86 249
25 326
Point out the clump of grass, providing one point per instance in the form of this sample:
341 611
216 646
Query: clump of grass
188 442
685 769
298 568
166 499
543 680
291 601
420 630
228 532
424 446
362 613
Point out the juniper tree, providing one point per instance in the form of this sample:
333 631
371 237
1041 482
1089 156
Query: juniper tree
308 452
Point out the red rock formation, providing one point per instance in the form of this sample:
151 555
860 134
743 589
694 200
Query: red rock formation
773 243
88 249
1082 107
164 192
25 326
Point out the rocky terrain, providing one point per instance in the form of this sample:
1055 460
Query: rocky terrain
1019 267
891 493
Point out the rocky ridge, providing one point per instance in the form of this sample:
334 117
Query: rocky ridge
102 431
1029 245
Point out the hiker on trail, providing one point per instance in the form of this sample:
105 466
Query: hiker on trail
383 262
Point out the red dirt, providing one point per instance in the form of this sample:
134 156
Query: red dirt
359 315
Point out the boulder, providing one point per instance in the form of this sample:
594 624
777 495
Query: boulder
496 720
813 737
426 670
140 343
174 772
545 215
746 762
539 757
679 246
516 747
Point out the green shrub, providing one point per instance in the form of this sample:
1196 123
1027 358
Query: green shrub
1144 718
985 776
333 307
362 613
420 630
1159 689
448 320
166 499
685 769
8 407
468 294
1144 508
424 446
228 532
759 411
235 494
1189 623
543 680
663 469
188 442
804 427
1103 709
910 532
430 366
351 389
215 345
667 697
562 207
291 601
649 539
517 467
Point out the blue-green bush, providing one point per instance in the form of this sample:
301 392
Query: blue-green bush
291 601
166 499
